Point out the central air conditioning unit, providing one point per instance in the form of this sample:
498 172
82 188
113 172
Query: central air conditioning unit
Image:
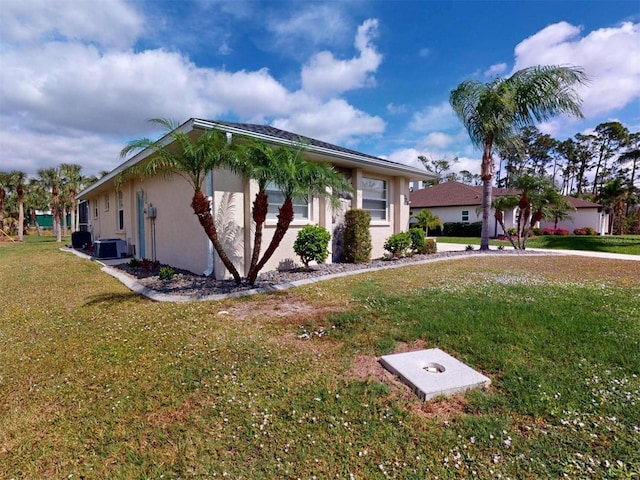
109 248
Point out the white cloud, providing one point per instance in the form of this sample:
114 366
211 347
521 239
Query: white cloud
325 75
434 117
334 121
28 151
110 23
315 25
438 140
495 70
74 97
424 52
610 56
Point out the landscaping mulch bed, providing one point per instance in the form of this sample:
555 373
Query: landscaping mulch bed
191 284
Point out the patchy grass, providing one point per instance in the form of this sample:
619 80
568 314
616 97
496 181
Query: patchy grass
627 244
97 382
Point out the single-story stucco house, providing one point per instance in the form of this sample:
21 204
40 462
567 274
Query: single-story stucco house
458 202
154 217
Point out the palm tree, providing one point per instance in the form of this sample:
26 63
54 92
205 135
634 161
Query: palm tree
36 199
426 220
191 159
493 112
296 178
4 183
501 204
614 194
71 173
17 180
50 178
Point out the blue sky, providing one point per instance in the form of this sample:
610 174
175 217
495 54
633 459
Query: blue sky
79 79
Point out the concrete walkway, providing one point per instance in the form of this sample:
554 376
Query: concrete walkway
456 247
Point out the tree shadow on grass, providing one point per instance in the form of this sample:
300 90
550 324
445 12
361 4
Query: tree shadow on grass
110 298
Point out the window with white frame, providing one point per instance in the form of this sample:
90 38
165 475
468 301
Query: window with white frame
375 198
465 215
95 208
106 203
276 199
120 210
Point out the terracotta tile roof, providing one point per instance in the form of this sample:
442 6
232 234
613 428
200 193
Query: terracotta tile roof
452 194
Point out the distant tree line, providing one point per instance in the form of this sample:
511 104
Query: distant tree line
53 190
602 167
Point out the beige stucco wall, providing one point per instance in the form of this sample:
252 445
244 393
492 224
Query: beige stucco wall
181 242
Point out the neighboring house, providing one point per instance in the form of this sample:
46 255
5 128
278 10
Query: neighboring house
154 216
457 202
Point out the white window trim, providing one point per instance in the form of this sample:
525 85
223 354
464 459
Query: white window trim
386 220
96 208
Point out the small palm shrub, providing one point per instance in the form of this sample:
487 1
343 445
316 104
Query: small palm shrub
134 263
357 236
166 273
398 244
312 244
417 239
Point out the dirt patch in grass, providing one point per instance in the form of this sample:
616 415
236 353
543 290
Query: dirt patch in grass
367 367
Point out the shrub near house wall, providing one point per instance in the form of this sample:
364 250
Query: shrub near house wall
462 229
357 236
312 244
398 244
417 239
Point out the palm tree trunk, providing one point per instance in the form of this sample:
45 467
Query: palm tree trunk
34 218
487 178
260 209
20 219
285 217
486 208
202 208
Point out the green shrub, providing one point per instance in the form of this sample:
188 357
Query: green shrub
462 229
417 239
430 246
134 263
398 244
312 244
166 273
589 231
468 248
537 231
513 231
357 236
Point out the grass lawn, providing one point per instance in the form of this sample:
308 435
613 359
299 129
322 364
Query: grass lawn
97 382
627 244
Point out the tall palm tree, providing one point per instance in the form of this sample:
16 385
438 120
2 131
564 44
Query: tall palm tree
50 178
4 184
493 112
192 160
36 199
71 173
17 180
297 177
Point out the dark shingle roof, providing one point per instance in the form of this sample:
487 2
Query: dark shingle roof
276 133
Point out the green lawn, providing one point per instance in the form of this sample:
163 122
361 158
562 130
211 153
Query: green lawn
97 382
627 244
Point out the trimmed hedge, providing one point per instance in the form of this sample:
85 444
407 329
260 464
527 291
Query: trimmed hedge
462 229
357 236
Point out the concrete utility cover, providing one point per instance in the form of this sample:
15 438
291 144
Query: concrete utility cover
433 372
